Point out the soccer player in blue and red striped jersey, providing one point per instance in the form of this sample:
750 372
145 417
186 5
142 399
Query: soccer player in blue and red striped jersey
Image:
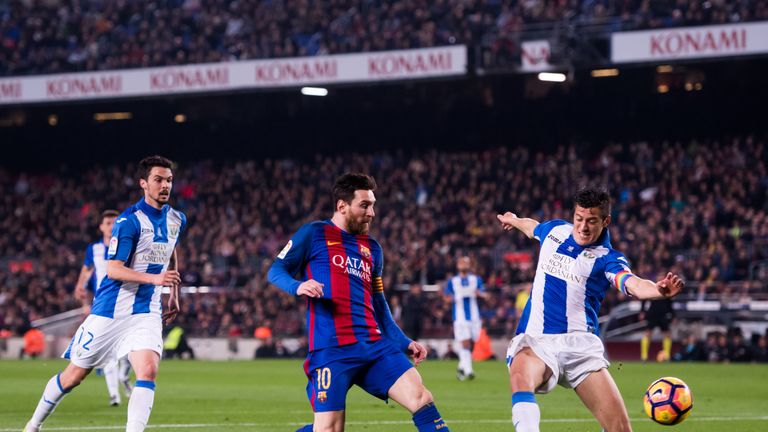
352 336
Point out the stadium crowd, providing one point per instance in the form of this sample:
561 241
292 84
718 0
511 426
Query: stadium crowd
432 207
74 35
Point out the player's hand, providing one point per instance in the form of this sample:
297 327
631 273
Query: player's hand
507 219
168 278
418 352
670 286
173 305
310 288
80 293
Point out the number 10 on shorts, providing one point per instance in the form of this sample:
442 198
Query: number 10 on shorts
323 378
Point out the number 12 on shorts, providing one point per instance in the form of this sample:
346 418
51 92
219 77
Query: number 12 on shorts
87 342
323 378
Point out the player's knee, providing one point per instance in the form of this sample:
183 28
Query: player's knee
422 397
336 425
146 372
71 377
519 381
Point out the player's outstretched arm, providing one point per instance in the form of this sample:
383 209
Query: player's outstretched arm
387 324
510 221
644 289
116 270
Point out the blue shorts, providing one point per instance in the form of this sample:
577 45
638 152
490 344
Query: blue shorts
374 366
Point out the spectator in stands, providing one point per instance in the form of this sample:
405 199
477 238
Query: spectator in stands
690 350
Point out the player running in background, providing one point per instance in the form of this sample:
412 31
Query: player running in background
340 270
126 315
556 339
657 313
463 290
94 270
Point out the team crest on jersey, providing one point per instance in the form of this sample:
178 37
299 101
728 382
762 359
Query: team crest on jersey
173 230
322 397
365 251
589 255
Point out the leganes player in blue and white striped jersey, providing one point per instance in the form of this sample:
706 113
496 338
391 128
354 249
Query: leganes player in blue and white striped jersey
556 340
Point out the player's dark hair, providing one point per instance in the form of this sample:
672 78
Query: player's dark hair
110 213
146 165
347 184
590 197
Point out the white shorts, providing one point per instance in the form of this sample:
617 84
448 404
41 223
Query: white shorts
570 356
101 340
466 330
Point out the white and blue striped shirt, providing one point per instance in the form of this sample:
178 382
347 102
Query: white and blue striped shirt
144 238
571 281
96 258
464 292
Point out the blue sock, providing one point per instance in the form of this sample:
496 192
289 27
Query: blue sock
428 419
307 428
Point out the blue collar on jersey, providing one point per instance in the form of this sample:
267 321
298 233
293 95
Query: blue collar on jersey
151 211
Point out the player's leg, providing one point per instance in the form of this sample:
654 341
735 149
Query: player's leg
327 421
465 360
58 387
145 364
330 373
645 343
124 374
111 378
410 392
601 396
461 333
526 373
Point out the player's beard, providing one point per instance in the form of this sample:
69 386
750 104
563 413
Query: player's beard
358 227
163 198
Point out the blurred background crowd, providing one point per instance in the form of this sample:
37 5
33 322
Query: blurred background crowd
54 36
678 206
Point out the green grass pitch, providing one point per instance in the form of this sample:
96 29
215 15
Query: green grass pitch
269 396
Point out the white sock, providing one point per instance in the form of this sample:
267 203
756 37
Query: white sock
525 412
140 406
125 369
465 361
110 376
52 395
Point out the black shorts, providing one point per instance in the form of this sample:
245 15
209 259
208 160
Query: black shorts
660 321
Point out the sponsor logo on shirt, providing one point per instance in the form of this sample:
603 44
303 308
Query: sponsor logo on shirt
554 239
353 266
158 253
561 267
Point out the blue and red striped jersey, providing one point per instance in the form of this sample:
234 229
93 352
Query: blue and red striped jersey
349 267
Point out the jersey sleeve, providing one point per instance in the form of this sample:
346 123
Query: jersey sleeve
290 260
183 226
449 288
125 235
617 271
480 285
378 259
542 229
88 261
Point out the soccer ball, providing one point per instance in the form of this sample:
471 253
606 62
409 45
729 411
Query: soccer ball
668 401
